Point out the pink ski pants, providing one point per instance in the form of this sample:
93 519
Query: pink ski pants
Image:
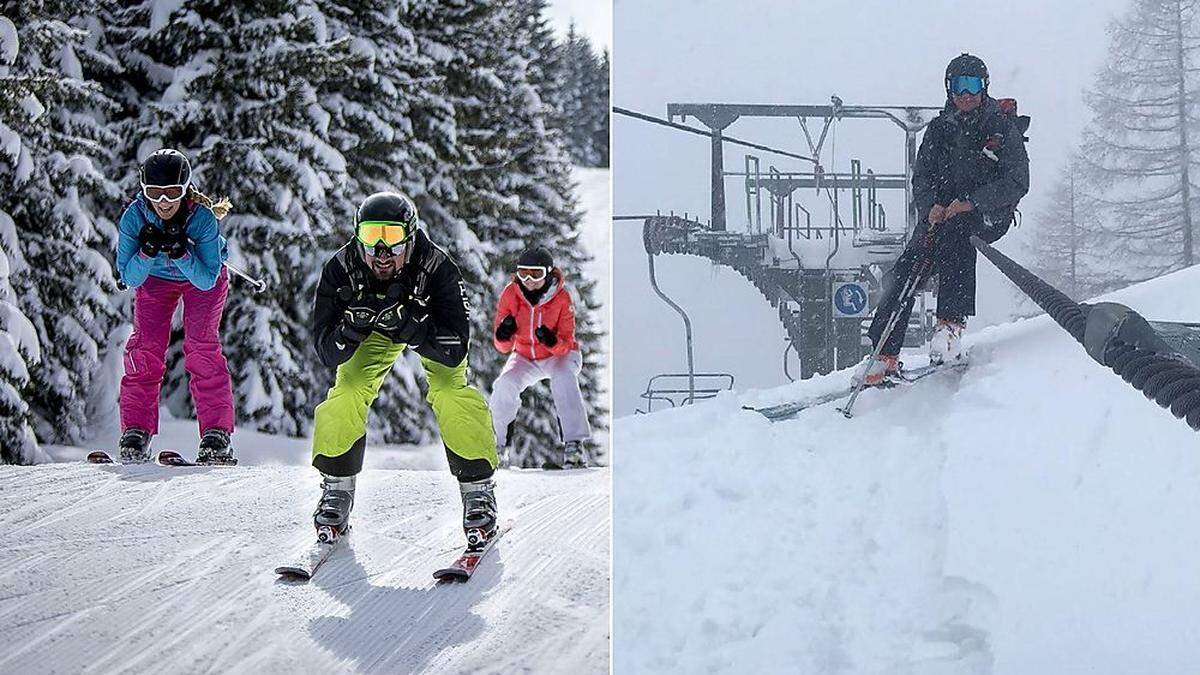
212 392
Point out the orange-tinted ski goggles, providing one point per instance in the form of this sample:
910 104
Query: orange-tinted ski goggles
388 232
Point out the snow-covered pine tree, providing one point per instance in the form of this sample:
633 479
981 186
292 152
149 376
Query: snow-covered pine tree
237 89
574 82
18 341
390 118
1070 238
1141 145
516 190
60 279
599 106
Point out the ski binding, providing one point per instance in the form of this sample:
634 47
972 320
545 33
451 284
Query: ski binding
464 567
309 558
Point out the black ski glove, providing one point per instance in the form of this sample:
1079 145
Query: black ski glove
174 240
150 240
408 322
546 336
358 319
176 248
506 329
391 306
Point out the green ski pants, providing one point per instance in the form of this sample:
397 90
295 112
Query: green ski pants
462 414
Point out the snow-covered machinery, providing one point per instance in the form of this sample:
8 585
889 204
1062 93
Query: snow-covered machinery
823 278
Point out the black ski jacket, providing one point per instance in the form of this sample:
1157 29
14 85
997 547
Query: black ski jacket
978 157
430 274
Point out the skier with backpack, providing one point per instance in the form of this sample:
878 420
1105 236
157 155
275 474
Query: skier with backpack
535 326
971 172
389 289
170 249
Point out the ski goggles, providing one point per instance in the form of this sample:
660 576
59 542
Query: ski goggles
969 84
157 194
391 234
532 272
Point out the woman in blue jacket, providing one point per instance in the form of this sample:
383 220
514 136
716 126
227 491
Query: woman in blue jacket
170 249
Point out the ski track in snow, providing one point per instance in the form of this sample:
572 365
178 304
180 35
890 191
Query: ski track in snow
155 569
1030 514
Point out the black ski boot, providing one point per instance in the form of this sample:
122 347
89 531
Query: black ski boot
479 512
332 517
215 449
134 447
574 455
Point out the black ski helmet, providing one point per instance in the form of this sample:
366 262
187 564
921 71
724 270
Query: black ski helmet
166 167
388 207
966 64
536 256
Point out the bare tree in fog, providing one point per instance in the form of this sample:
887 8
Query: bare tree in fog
1139 148
1070 252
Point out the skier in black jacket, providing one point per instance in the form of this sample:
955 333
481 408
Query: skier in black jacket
971 171
387 289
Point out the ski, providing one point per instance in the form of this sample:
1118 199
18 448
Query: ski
172 458
911 376
464 567
915 374
100 457
308 558
786 411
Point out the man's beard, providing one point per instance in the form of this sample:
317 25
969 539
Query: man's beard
385 272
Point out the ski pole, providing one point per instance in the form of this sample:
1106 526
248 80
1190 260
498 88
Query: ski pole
915 276
259 284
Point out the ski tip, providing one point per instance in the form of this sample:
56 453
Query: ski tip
99 457
172 458
294 573
451 575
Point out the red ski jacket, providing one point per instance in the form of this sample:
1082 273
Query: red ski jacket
555 311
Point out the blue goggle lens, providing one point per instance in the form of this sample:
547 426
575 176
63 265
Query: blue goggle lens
966 83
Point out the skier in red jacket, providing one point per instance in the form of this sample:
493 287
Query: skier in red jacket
535 326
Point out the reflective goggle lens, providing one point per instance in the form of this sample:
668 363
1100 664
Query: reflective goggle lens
163 193
966 83
531 273
371 232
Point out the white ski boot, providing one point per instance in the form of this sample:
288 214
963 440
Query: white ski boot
332 517
134 447
479 512
874 369
946 345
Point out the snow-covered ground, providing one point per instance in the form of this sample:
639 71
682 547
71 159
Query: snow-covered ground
153 569
1032 514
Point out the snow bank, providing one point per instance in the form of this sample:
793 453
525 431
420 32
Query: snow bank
1031 514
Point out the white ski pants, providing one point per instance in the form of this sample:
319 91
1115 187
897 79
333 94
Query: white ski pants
519 373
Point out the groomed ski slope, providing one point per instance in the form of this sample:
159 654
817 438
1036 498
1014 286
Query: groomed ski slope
1033 514
169 570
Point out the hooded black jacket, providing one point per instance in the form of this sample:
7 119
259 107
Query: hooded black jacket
430 274
978 157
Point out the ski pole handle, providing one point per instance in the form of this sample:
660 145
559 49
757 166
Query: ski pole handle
258 284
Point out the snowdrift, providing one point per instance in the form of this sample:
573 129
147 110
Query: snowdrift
1031 514
155 569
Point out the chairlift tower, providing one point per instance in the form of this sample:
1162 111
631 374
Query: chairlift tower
778 258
